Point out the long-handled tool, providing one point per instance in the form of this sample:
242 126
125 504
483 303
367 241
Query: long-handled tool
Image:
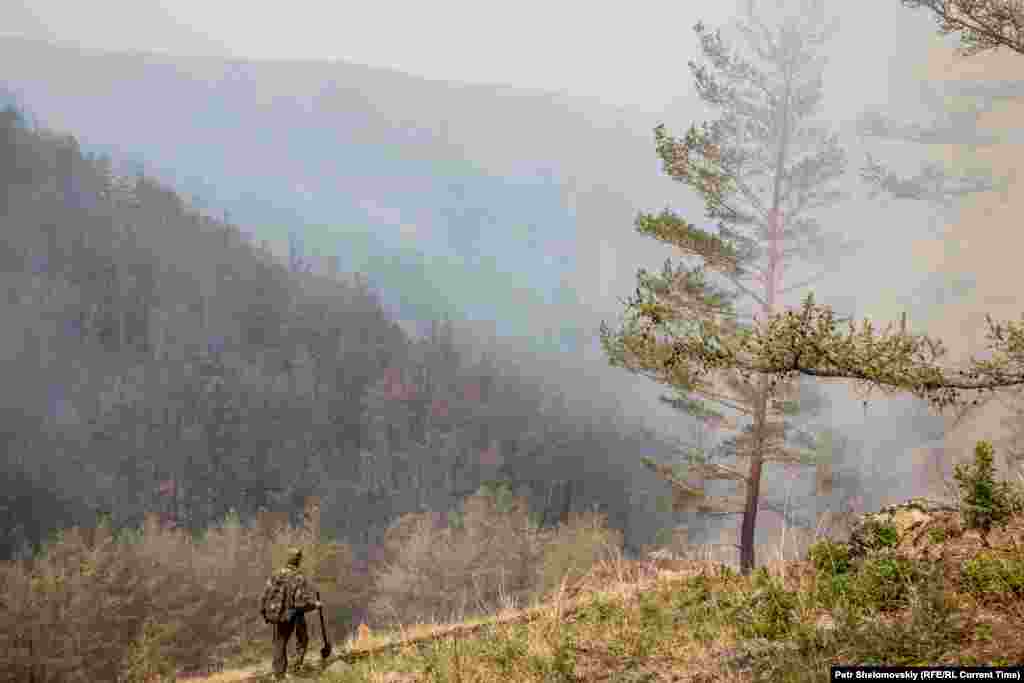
325 651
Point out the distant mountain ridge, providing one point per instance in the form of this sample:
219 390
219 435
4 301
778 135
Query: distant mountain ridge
399 176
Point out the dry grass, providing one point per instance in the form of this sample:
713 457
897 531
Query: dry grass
146 603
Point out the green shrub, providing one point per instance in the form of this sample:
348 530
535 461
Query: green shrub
881 535
830 557
657 622
560 667
574 549
505 652
883 583
694 592
990 576
984 502
768 612
831 590
927 632
697 607
601 611
563 663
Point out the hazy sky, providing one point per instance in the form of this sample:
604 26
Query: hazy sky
625 53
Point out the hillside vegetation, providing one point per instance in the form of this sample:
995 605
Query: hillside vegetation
919 583
97 605
183 399
486 596
167 364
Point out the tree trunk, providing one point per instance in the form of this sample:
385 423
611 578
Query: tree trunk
748 527
567 502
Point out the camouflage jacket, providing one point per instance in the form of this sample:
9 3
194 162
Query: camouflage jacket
287 594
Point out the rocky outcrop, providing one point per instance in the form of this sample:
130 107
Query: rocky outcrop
903 526
931 531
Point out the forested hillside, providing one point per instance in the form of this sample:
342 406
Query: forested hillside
158 361
395 175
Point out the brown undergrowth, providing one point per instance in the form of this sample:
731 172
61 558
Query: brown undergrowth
680 620
915 584
155 604
143 604
920 583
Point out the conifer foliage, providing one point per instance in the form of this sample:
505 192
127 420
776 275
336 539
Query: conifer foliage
763 169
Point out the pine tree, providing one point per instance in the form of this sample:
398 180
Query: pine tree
763 169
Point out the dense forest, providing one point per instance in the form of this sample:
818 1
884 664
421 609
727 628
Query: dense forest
162 363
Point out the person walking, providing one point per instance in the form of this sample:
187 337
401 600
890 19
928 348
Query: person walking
286 599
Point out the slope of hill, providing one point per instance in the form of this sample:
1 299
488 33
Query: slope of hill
919 584
200 362
481 179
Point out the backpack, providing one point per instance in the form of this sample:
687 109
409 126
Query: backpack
277 598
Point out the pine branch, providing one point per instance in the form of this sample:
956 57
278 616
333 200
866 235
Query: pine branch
932 184
671 229
983 24
715 471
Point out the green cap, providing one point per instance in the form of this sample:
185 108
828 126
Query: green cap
294 556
